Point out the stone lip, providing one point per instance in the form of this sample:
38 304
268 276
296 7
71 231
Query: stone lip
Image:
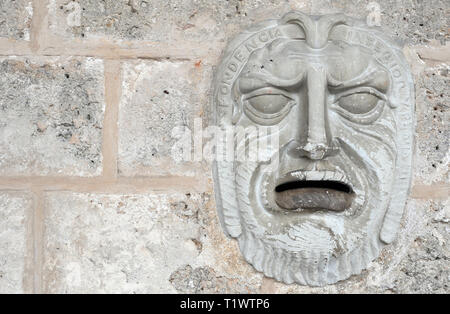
314 190
314 195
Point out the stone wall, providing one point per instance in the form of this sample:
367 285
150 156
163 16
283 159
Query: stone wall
90 199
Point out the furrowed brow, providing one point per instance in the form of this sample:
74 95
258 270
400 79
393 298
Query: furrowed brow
373 76
256 81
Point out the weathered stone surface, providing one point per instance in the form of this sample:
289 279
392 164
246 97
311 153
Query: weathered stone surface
205 280
51 116
15 211
425 268
15 19
411 21
433 129
196 20
125 243
156 98
422 247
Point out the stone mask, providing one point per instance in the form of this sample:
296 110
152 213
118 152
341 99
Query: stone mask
339 97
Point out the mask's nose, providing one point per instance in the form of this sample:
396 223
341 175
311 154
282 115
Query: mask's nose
314 141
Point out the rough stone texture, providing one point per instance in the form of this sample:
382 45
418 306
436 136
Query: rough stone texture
125 243
156 98
433 128
418 260
425 269
412 21
15 19
205 280
15 210
196 20
51 116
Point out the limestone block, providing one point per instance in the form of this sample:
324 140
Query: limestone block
156 98
414 22
433 128
205 280
425 269
160 20
51 116
15 217
15 19
203 20
118 243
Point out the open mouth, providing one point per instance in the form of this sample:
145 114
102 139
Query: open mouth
314 195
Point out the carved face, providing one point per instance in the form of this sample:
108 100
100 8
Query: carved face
333 95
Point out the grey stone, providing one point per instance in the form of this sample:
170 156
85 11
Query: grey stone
412 21
139 243
158 97
160 20
15 214
433 129
418 263
15 19
205 280
425 269
116 243
417 21
51 116
199 20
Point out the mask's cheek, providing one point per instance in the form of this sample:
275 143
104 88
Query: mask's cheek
371 147
257 143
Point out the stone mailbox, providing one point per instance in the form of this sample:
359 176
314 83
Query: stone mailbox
329 192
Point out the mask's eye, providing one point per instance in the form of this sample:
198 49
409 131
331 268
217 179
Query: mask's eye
269 104
363 105
267 109
359 103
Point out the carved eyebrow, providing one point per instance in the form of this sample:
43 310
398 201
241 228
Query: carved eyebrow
256 81
302 55
372 76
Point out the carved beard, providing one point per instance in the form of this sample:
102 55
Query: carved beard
324 247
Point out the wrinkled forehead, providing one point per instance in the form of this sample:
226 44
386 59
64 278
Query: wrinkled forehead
288 59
